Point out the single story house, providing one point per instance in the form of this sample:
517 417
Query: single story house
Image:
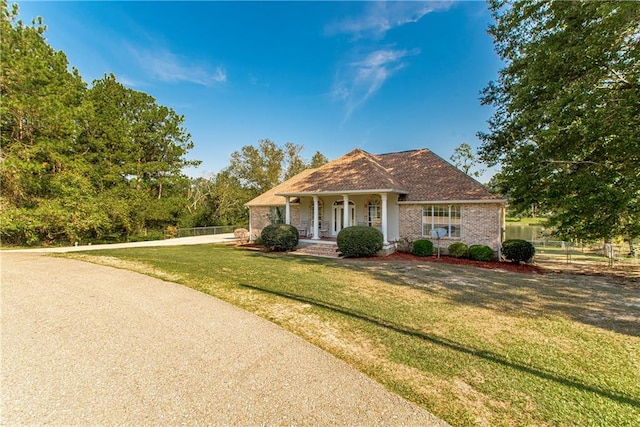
406 195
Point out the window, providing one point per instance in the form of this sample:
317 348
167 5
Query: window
441 216
276 215
374 213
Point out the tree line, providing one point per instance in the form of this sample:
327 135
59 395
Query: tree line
82 163
566 126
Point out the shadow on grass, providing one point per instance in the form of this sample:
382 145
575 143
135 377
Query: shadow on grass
486 355
586 299
590 300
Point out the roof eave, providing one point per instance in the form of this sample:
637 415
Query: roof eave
341 192
455 202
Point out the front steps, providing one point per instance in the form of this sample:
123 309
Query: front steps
325 249
329 249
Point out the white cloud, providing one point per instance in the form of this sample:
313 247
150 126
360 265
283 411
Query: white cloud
165 66
382 16
357 80
361 78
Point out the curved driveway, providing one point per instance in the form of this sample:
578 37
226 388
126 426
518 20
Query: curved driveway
84 344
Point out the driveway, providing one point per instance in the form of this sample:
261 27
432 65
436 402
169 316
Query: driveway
84 344
195 240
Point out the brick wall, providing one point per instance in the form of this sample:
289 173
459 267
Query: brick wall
260 218
480 224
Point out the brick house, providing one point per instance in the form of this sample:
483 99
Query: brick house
405 195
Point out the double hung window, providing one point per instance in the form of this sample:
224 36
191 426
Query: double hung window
446 217
374 213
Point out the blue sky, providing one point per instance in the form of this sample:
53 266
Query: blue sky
331 76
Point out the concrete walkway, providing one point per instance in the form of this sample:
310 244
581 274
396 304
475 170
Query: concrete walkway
196 240
84 344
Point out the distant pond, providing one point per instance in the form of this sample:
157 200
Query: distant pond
524 231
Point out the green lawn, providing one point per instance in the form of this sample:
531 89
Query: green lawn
473 346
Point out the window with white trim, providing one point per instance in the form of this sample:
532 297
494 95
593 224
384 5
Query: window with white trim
276 215
374 213
441 216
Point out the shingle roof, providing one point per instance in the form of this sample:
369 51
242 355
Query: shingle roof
419 175
269 198
355 171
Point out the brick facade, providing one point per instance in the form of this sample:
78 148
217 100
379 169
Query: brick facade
481 224
261 217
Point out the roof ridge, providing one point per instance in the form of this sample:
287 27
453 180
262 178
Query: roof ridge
405 151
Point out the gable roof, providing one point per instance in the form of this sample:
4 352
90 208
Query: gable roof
417 175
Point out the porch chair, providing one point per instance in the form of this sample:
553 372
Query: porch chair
324 229
303 230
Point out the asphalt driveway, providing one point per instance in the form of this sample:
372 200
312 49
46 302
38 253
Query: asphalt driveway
84 344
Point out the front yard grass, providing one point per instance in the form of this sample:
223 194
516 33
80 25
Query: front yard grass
472 346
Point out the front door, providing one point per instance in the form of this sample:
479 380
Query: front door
338 216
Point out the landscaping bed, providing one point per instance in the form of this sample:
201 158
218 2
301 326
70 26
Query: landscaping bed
493 265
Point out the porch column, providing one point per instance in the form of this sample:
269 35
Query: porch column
316 235
384 218
287 210
345 212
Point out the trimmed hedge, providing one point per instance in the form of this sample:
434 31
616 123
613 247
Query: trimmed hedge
422 247
280 237
517 250
458 250
481 253
359 241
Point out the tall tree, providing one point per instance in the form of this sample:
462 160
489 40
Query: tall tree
130 138
39 112
44 194
226 200
75 162
318 159
464 159
567 122
293 160
258 168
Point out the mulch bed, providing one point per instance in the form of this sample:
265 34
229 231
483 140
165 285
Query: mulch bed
618 276
403 256
493 265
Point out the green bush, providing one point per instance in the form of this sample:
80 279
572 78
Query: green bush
516 250
280 237
422 247
458 250
404 244
359 241
481 253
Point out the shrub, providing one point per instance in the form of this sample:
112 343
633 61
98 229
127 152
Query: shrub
458 250
517 250
170 232
404 244
242 234
280 237
359 241
422 247
481 253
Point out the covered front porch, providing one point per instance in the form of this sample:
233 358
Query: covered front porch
321 216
